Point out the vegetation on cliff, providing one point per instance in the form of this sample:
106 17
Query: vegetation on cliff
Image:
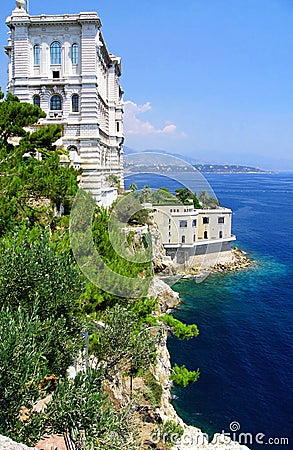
47 305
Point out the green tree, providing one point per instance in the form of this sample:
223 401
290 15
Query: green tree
179 329
184 195
133 187
32 182
123 344
181 376
146 194
196 202
208 201
14 116
113 180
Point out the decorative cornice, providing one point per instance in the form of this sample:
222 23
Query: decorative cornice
56 19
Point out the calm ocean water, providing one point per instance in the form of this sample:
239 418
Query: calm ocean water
244 350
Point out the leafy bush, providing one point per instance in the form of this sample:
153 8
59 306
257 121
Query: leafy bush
34 278
79 407
181 376
23 365
155 390
170 433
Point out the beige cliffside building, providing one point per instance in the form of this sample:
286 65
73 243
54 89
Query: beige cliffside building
61 63
195 236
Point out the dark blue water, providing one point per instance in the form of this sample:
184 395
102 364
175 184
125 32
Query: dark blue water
244 350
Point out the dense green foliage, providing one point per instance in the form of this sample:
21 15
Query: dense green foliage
34 278
179 329
79 405
23 364
46 303
161 196
32 182
187 197
122 343
181 376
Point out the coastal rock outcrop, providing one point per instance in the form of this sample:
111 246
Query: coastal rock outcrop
239 261
193 438
168 298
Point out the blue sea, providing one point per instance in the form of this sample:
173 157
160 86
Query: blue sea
244 349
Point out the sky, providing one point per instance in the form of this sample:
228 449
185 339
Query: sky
211 79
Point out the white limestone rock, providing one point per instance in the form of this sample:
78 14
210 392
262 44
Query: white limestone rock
8 444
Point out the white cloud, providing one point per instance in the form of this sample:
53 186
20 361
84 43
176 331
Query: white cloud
134 125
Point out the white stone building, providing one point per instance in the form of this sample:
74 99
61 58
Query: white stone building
61 63
195 236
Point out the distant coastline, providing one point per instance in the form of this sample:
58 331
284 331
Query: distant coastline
161 168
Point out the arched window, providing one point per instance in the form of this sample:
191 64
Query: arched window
220 234
37 100
55 52
37 52
75 103
56 103
74 53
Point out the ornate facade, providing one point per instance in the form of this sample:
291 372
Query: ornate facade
61 63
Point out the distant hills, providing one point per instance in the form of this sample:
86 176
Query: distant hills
164 162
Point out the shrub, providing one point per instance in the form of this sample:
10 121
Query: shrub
181 376
23 365
80 408
170 433
34 278
155 390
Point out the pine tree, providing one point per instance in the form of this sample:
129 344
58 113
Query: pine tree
32 182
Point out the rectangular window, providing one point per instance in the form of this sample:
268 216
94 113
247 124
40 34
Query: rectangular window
194 237
221 219
194 223
75 103
74 53
183 223
56 74
183 239
37 54
55 53
117 127
205 220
